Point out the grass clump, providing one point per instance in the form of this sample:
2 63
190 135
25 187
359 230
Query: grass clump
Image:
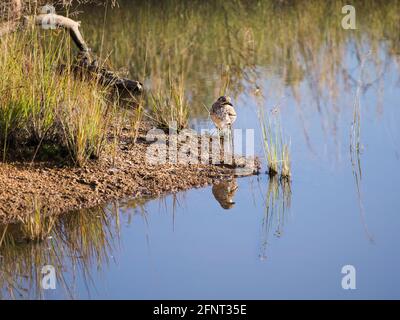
40 105
85 121
286 162
169 107
276 148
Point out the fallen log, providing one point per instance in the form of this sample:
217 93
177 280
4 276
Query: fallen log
87 62
57 21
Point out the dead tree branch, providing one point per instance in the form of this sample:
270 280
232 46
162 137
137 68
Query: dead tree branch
58 21
87 62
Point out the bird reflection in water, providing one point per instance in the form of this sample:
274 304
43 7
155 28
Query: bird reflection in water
224 192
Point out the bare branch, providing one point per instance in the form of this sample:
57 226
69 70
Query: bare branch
61 22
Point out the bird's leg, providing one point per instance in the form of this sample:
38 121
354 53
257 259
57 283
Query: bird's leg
229 146
221 145
232 144
227 155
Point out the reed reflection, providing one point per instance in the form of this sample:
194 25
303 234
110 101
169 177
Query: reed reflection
276 211
78 244
355 140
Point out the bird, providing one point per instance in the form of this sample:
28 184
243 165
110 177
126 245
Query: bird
223 115
224 193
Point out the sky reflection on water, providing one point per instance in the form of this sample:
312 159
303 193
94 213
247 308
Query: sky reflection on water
265 239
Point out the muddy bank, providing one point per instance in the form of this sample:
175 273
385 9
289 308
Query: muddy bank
56 189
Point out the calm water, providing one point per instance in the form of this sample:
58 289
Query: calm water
277 240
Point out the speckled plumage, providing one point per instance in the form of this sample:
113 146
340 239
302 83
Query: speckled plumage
223 113
224 193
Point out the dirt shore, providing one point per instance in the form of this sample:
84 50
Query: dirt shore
56 189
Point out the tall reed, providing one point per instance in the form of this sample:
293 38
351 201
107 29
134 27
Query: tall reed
40 104
276 147
169 106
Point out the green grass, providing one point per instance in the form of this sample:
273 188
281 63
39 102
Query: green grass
286 168
169 107
276 147
39 104
153 42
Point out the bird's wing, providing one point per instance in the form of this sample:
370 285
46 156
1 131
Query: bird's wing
214 107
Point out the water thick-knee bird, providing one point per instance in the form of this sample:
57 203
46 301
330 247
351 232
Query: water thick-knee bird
223 115
224 192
